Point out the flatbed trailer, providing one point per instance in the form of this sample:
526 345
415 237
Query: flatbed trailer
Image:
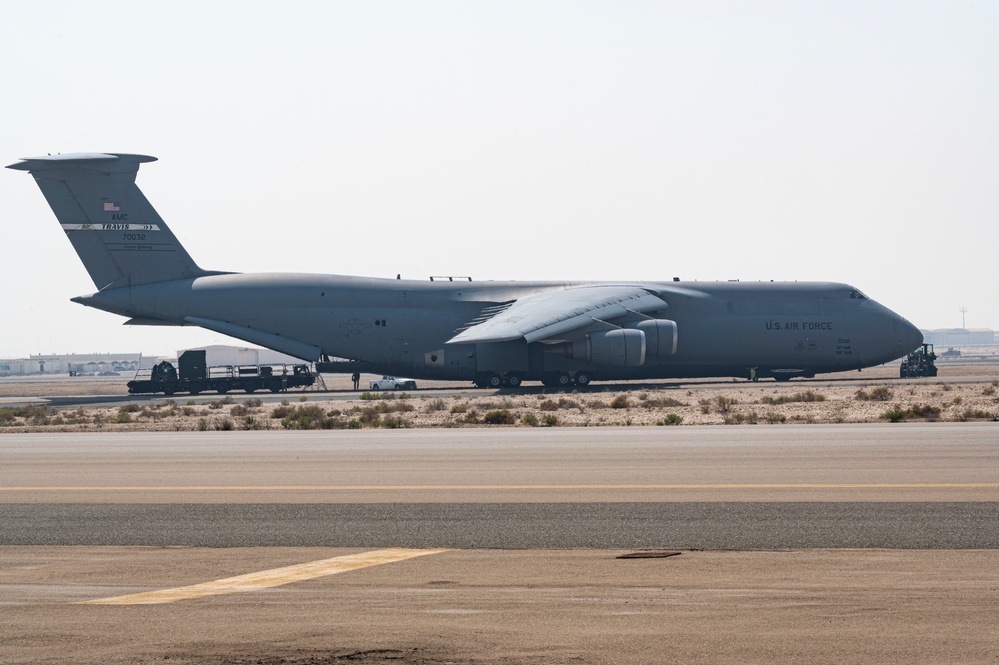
195 377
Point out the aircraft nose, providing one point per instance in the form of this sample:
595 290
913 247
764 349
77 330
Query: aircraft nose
908 336
888 336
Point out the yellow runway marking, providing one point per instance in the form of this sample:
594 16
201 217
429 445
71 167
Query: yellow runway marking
437 488
267 578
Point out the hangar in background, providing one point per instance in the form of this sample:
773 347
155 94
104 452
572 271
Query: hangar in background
111 364
960 337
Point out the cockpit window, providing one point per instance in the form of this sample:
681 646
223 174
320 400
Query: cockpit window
857 295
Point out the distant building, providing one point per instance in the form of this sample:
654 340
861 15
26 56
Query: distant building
960 337
96 364
91 363
222 355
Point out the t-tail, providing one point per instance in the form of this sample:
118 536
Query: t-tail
120 238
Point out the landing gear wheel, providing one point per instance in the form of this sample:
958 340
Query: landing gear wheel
494 381
513 381
582 379
556 380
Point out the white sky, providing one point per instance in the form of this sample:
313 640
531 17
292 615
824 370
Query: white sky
843 141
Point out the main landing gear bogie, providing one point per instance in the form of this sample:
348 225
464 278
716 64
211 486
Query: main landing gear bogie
499 381
551 380
565 380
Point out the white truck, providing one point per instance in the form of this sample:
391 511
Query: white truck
391 383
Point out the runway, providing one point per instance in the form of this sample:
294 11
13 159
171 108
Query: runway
517 535
886 486
711 525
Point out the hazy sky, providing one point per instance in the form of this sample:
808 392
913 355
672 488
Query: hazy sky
843 141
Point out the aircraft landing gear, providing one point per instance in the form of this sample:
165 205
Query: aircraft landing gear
565 380
498 381
489 381
557 380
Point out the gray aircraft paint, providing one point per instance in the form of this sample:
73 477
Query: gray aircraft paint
490 332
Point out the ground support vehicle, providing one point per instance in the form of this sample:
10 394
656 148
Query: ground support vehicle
391 383
195 377
919 363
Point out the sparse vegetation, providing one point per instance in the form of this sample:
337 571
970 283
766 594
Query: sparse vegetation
499 417
620 402
661 403
310 417
975 414
32 414
806 396
393 422
724 404
740 418
708 404
878 394
924 411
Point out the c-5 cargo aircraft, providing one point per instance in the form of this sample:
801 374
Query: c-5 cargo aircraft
491 333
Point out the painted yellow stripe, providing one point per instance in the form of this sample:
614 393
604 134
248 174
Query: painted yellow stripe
437 488
267 578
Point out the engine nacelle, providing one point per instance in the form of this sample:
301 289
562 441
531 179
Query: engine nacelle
660 337
614 348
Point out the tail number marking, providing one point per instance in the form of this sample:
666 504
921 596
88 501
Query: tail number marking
110 227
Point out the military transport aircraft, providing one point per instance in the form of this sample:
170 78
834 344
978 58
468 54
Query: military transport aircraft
491 333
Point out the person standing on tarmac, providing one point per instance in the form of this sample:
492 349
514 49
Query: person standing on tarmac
356 378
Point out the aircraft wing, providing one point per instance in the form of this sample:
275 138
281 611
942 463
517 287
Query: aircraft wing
552 314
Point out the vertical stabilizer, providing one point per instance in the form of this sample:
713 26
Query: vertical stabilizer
120 238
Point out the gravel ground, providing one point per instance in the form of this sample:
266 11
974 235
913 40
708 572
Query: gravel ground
967 392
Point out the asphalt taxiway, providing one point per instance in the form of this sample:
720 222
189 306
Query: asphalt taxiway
806 543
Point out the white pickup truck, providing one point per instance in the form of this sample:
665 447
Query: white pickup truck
391 383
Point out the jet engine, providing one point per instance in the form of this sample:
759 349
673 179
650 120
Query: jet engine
660 337
614 348
627 347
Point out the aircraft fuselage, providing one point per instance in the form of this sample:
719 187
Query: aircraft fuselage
401 327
